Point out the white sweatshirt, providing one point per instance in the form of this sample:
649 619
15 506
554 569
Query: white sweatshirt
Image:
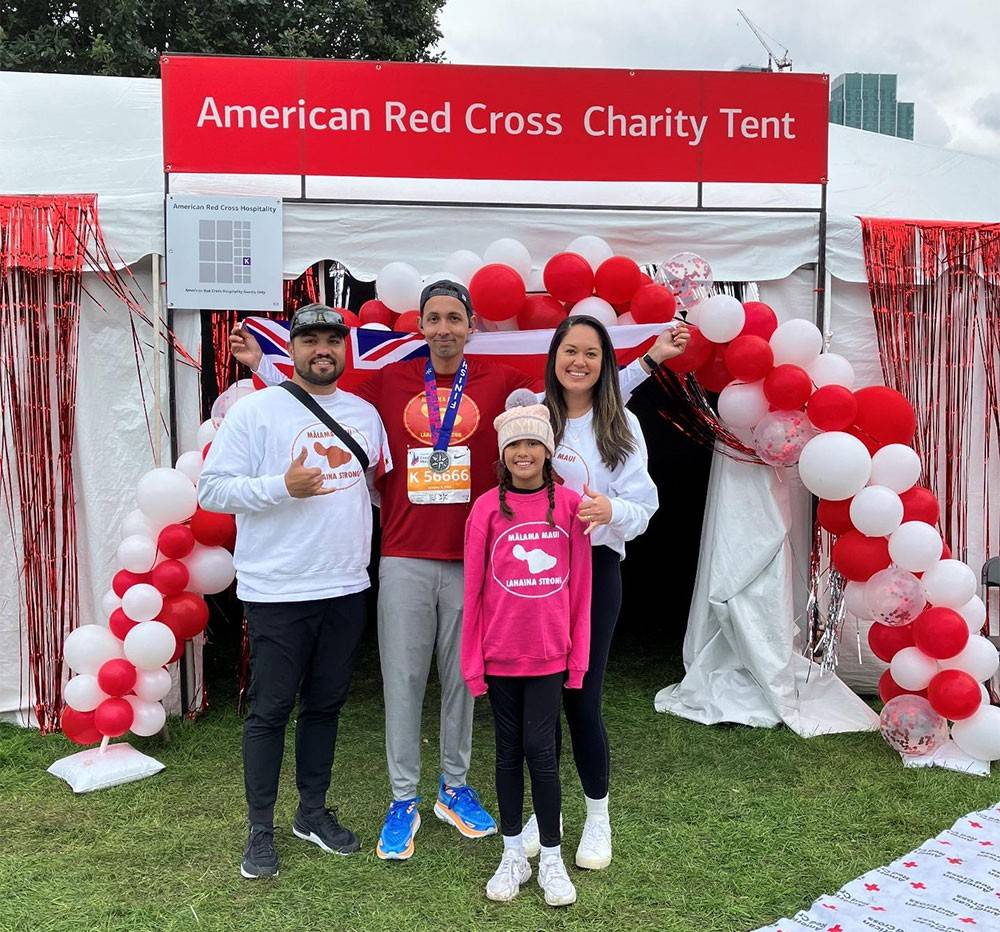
295 549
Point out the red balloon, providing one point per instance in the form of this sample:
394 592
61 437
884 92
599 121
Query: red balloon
940 632
120 624
407 322
885 415
212 528
116 677
954 695
653 304
835 517
832 407
350 318
176 541
79 726
886 642
871 443
617 279
945 551
698 351
497 292
124 580
113 717
186 614
749 358
858 558
920 504
888 688
375 312
568 277
787 387
761 321
170 577
540 312
713 375
207 447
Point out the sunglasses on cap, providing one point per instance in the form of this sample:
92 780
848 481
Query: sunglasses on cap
317 315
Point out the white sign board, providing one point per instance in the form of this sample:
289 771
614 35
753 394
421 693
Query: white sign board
224 253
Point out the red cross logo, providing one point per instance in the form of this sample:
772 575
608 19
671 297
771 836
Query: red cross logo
976 825
968 920
944 842
918 886
871 886
878 909
835 928
909 863
986 844
828 906
954 860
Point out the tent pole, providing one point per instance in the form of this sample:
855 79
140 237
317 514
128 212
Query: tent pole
157 363
821 264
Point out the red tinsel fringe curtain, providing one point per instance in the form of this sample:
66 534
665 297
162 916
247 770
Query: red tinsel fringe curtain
41 279
935 293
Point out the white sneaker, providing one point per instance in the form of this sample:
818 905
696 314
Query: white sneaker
530 839
594 851
513 871
555 882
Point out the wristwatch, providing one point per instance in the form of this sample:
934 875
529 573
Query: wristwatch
649 361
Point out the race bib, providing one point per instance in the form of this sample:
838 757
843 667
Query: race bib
439 477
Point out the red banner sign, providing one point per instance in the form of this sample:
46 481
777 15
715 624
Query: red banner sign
307 117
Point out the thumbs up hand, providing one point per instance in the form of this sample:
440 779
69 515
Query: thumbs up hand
302 481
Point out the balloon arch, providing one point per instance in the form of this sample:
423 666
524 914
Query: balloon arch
793 404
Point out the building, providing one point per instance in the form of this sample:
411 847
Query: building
868 101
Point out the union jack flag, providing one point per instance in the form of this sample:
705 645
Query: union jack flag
368 350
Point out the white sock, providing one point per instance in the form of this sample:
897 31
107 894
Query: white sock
513 843
554 852
597 808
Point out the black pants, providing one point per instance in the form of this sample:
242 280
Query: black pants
297 647
526 717
591 751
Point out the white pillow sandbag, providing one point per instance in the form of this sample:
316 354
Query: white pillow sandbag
95 769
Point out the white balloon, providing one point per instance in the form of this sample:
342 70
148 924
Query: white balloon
979 658
135 522
950 583
896 466
984 694
463 263
743 404
152 685
912 669
83 693
974 613
855 602
150 645
88 647
191 464
510 252
440 277
693 314
109 602
721 318
796 341
233 394
595 307
915 546
142 602
831 369
137 554
210 569
398 286
206 434
979 735
835 466
876 511
592 248
166 496
149 717
374 326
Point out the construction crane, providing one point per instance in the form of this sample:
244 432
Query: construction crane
774 63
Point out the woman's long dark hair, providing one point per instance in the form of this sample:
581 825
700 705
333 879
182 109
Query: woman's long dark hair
614 438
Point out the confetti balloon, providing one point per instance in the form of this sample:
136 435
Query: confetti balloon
780 436
911 726
688 276
894 597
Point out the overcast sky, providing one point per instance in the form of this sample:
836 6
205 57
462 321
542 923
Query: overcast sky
947 54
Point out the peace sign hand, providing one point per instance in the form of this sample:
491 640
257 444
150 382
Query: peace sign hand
302 481
594 512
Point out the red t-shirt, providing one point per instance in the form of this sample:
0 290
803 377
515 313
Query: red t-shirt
436 532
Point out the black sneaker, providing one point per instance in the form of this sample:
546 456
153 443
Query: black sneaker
260 859
323 829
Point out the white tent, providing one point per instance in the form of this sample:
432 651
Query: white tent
72 134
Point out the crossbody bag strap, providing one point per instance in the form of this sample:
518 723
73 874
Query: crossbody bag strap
297 391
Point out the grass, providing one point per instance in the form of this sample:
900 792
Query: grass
716 829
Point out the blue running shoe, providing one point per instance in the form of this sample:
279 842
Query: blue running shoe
395 843
460 806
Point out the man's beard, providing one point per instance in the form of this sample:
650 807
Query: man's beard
304 373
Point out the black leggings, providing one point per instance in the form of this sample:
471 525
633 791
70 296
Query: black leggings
526 717
591 751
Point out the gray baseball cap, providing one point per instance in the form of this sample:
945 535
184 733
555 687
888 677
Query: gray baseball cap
317 317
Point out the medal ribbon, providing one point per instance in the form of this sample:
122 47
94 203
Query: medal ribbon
441 429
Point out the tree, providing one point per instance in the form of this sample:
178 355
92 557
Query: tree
125 37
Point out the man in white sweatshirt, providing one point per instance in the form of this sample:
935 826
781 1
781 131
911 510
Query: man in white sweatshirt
295 466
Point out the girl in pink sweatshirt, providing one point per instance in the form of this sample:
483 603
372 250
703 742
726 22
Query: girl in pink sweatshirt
526 635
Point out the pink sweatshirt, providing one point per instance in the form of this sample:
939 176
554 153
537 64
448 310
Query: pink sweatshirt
527 589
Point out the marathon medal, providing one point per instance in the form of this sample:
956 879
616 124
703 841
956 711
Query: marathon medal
440 461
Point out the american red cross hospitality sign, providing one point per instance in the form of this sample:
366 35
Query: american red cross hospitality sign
394 120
